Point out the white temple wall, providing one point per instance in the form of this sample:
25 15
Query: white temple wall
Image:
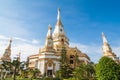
41 66
57 65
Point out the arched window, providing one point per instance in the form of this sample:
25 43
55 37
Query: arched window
61 30
62 40
71 59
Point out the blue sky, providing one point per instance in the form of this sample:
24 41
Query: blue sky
83 20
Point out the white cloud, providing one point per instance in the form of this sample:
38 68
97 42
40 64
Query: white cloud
12 27
3 37
116 50
21 39
25 49
35 41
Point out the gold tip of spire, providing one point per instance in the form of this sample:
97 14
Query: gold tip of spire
103 34
49 27
59 9
104 38
58 17
19 53
11 39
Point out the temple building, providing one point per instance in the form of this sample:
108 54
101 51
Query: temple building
107 51
48 58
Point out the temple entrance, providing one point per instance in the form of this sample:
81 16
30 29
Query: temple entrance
49 68
49 73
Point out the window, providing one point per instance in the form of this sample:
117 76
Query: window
71 56
71 61
57 49
49 72
62 40
61 30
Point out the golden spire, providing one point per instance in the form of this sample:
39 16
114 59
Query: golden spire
58 17
104 38
59 23
59 35
18 56
49 33
7 53
49 40
10 41
106 47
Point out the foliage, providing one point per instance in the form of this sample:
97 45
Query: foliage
33 79
6 69
63 58
30 73
17 70
107 69
65 70
84 72
14 68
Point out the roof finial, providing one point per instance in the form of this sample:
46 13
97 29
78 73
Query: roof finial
49 27
49 34
58 17
104 38
18 56
9 46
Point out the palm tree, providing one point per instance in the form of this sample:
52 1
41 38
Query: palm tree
16 65
1 72
6 68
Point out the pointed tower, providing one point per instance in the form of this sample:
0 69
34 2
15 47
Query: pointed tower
107 51
18 56
7 53
59 36
49 41
47 55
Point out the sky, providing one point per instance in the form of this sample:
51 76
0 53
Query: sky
26 21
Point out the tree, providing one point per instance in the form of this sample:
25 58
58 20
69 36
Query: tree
16 67
6 65
1 71
65 69
107 69
76 60
63 58
84 72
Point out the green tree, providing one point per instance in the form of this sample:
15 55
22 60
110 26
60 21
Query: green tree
65 69
63 58
30 73
16 66
84 72
76 60
107 69
36 73
6 68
